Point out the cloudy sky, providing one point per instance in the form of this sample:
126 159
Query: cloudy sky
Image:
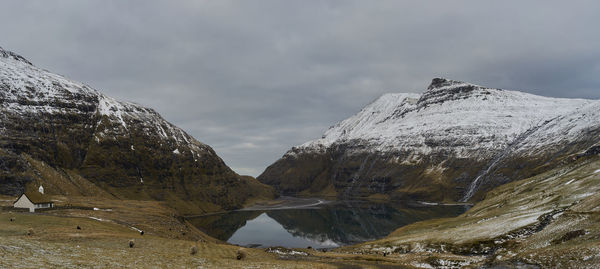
254 78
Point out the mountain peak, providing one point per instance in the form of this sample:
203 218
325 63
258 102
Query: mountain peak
11 55
443 83
437 83
441 90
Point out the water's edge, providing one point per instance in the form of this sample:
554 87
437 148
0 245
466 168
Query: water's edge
318 223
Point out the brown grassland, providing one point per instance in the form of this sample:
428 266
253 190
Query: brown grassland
550 221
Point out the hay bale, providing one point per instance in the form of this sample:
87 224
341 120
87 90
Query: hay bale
193 250
240 254
131 243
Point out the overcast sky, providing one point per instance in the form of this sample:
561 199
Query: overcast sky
254 78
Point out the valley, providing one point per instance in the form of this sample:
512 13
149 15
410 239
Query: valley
548 221
461 175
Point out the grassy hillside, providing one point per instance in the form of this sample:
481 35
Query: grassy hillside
212 194
57 243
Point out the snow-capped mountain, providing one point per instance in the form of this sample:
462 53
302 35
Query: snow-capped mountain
28 90
440 145
120 147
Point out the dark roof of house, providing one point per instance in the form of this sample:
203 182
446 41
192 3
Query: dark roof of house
37 198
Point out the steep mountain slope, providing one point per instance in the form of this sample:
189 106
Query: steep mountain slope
547 221
548 145
453 142
77 141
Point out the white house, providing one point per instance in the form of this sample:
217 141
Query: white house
33 200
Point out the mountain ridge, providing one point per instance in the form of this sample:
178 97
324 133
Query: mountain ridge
126 149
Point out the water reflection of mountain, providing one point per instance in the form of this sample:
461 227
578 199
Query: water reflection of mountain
339 223
222 226
348 223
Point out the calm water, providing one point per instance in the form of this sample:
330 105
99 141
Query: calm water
318 225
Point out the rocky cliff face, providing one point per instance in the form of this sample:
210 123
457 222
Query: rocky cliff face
77 141
453 142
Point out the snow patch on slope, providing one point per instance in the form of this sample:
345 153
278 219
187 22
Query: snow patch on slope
26 89
147 119
564 129
108 106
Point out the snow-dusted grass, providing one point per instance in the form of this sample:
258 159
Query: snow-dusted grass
57 244
511 208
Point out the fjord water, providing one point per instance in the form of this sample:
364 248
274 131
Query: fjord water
319 225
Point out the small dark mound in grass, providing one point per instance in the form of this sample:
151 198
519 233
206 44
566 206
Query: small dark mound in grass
193 250
569 235
241 254
131 243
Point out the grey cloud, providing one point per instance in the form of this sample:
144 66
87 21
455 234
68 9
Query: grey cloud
253 78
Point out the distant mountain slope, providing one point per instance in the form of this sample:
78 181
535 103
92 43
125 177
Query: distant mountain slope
75 140
453 142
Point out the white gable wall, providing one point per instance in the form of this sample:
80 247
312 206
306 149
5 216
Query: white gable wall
24 202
